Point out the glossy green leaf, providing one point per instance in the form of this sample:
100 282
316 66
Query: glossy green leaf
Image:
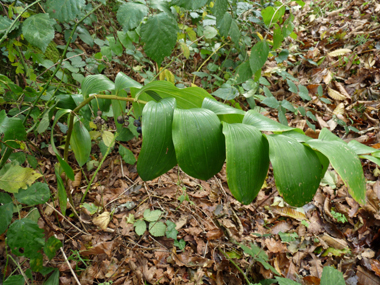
157 154
38 193
80 143
38 30
198 142
64 10
123 81
159 34
360 148
371 158
225 113
96 83
187 98
25 234
326 135
247 156
296 169
263 123
131 14
259 55
346 163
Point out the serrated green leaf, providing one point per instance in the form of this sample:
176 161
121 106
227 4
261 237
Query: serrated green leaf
331 275
159 34
157 154
224 24
13 177
259 55
296 168
127 155
263 123
96 83
38 193
140 227
5 22
152 216
190 5
64 10
198 142
247 160
25 234
80 143
219 9
157 229
51 247
38 30
131 14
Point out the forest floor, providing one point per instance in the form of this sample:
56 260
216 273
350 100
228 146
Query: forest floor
210 225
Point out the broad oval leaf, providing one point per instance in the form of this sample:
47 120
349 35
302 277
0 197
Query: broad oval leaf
159 34
64 10
38 193
96 83
157 154
187 98
80 142
131 14
263 123
247 156
225 113
296 169
38 30
346 163
259 55
198 142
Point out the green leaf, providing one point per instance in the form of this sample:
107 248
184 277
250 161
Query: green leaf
64 10
371 158
159 34
140 227
44 124
210 32
80 142
38 193
152 216
272 14
304 93
157 154
13 177
6 213
180 244
224 24
171 232
219 9
198 142
108 139
53 279
247 161
5 23
26 235
225 113
332 276
346 163
277 37
243 72
15 280
292 87
157 229
38 30
123 81
286 281
187 98
91 208
190 5
226 93
288 26
131 14
296 169
51 247
13 129
127 155
263 123
234 32
360 148
115 45
96 83
62 195
259 55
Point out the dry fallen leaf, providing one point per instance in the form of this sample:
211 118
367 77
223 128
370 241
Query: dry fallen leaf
335 94
102 220
339 52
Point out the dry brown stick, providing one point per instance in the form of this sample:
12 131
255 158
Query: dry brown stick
71 269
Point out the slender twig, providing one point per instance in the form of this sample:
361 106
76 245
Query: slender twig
19 268
15 20
68 264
